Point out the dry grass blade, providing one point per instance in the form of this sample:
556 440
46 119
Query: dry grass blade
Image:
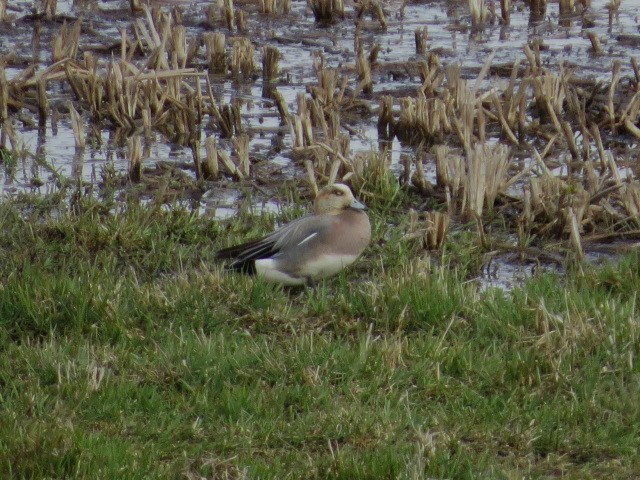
550 96
437 227
476 182
241 21
497 162
386 122
230 121
241 148
49 7
210 169
311 176
43 100
505 10
3 10
281 105
4 94
421 36
78 127
65 44
229 166
363 67
595 43
135 6
134 153
615 79
419 180
229 14
373 8
574 229
630 199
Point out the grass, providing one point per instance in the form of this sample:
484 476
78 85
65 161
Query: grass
126 352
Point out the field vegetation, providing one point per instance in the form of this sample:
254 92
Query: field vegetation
126 352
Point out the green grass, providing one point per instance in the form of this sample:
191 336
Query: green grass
126 352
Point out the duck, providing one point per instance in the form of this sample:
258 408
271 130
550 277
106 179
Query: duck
310 248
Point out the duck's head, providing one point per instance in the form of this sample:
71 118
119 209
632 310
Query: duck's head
335 198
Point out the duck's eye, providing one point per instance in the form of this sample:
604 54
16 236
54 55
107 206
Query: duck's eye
338 193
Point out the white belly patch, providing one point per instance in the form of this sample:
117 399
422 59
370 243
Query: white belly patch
327 265
322 267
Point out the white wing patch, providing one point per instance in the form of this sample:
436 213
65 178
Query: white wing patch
308 238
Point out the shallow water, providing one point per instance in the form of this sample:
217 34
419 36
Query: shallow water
297 37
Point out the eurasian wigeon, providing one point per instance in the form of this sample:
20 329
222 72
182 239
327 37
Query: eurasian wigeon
310 248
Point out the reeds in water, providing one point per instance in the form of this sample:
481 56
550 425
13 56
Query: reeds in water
429 228
230 120
386 122
487 167
270 58
538 8
422 119
215 49
300 126
566 7
473 182
271 7
178 47
243 64
268 6
478 11
555 205
327 11
374 8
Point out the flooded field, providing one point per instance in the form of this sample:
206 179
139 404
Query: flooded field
531 121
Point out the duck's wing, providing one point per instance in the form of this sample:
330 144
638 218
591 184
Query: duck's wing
282 240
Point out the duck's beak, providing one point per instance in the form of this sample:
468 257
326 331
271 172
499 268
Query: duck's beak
358 205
